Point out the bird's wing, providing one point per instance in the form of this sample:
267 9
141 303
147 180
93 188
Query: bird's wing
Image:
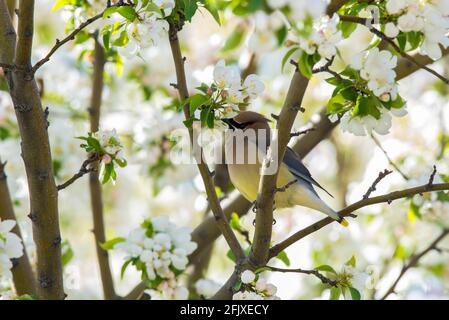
298 169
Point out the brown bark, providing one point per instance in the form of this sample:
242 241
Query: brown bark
22 271
35 150
96 194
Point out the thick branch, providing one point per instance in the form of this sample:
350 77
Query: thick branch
24 281
414 260
219 215
387 198
35 151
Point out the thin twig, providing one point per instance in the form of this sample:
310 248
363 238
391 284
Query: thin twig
314 272
372 188
302 132
432 176
72 35
286 186
390 161
414 260
386 198
82 171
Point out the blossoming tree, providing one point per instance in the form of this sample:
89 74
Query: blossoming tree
125 74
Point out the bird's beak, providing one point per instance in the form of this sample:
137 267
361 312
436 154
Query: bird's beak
228 121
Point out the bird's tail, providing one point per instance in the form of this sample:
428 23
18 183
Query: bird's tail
336 216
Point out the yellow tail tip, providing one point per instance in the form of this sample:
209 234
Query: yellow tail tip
344 222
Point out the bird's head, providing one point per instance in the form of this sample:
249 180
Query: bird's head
247 120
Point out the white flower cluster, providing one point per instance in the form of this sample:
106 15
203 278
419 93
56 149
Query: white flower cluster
431 17
162 248
230 86
323 39
168 290
256 289
111 144
377 68
10 248
149 29
206 288
353 277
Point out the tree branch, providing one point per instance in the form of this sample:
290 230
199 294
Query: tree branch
219 215
313 272
82 171
72 35
390 161
22 272
95 188
387 198
35 150
372 188
414 260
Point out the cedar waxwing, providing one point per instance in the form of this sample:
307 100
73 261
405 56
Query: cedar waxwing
244 171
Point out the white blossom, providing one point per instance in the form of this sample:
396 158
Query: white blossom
247 276
165 5
10 247
206 288
324 38
164 248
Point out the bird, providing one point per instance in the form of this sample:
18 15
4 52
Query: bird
247 132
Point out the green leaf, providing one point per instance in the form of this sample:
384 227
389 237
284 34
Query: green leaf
121 162
304 65
211 6
351 262
231 256
107 39
335 104
335 293
61 3
287 57
234 222
109 245
237 285
284 258
197 101
122 40
107 172
326 268
67 253
413 212
367 106
126 12
234 40
210 118
355 294
123 269
347 28
190 7
189 122
402 40
281 35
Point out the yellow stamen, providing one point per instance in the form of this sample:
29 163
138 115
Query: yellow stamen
344 222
